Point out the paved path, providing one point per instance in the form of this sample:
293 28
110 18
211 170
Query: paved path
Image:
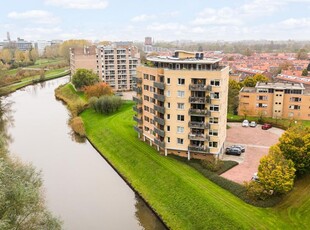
256 142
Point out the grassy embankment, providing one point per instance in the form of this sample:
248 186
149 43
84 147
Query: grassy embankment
181 196
49 74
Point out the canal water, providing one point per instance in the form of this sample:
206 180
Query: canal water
79 185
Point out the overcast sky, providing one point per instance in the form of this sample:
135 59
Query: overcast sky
198 20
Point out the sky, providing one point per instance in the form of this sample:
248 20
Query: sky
120 20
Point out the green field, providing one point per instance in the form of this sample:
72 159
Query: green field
182 197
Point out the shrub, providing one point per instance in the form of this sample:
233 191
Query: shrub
212 164
98 90
107 104
255 191
77 125
92 101
77 108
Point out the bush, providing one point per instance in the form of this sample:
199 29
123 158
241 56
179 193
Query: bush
98 90
92 101
255 191
77 125
107 104
77 108
212 164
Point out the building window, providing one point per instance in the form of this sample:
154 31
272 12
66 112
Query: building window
180 105
180 141
168 81
168 116
262 98
261 105
296 107
146 118
180 117
152 89
168 139
213 144
146 87
152 78
146 128
215 95
146 76
213 132
146 98
181 93
295 99
215 82
245 96
168 93
180 129
168 128
181 81
152 100
168 105
214 120
214 107
146 108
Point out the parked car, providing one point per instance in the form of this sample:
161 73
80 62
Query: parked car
245 123
233 151
253 124
266 126
239 147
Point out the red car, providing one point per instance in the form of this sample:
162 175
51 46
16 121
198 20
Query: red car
266 126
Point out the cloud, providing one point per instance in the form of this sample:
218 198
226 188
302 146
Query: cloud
36 16
142 18
223 16
167 26
294 23
79 4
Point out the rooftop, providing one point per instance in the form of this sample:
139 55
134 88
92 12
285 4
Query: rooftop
279 85
167 59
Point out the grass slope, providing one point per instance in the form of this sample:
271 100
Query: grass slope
182 197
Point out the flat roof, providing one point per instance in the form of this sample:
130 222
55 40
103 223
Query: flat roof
279 85
167 59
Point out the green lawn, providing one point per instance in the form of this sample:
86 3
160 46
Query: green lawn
180 195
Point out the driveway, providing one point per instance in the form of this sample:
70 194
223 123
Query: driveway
256 142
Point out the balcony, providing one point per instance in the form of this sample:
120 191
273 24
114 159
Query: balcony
198 112
159 132
196 148
137 89
137 79
159 85
159 120
198 125
198 137
200 87
139 120
160 109
138 129
137 100
197 100
159 97
161 144
136 109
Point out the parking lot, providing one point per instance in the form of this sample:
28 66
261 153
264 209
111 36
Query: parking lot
256 142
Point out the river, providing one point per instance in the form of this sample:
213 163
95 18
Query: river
80 187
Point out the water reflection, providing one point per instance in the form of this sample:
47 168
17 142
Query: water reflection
80 186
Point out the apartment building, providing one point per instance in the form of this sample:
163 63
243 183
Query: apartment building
182 104
278 100
83 58
115 64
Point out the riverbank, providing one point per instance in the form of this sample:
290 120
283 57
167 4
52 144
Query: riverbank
49 75
180 195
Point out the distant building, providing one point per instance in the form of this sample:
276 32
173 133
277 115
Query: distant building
116 63
23 45
83 58
278 100
41 45
148 41
182 104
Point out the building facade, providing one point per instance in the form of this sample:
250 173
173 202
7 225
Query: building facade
277 100
115 64
182 104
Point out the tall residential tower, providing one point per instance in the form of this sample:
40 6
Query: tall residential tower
182 104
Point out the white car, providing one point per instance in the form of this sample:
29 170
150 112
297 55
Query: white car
253 124
245 123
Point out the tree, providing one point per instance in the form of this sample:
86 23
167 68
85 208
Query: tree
233 96
66 45
251 81
304 72
6 55
276 174
33 55
107 104
302 54
84 77
295 145
19 56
